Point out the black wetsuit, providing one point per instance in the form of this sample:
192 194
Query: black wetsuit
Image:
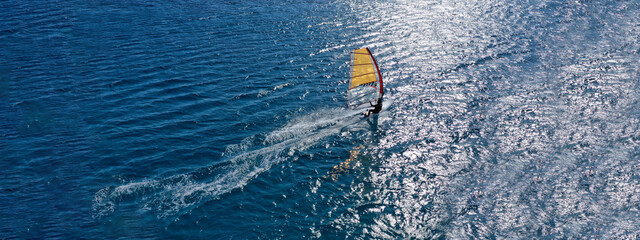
376 108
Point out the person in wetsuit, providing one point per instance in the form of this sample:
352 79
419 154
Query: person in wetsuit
376 108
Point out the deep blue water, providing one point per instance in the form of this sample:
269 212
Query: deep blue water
225 119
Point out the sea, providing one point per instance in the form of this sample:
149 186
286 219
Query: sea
227 119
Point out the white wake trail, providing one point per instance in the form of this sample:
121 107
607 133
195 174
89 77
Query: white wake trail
242 162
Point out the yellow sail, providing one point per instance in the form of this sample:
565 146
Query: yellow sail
363 69
365 86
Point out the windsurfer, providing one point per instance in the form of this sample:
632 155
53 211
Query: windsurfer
376 108
365 85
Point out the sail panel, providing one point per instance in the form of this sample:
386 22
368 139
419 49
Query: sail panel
363 70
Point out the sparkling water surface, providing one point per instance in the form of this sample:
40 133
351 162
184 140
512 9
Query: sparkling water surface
227 120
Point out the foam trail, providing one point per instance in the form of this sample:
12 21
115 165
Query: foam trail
242 162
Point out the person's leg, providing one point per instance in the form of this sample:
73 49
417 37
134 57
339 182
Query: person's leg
367 113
